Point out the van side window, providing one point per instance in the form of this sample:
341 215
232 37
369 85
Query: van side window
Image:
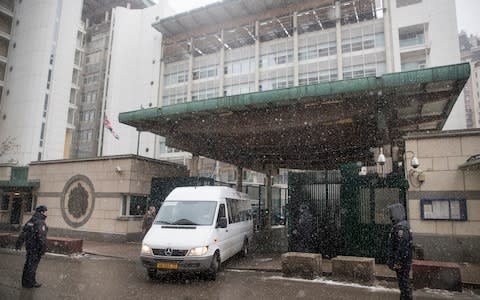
221 211
238 210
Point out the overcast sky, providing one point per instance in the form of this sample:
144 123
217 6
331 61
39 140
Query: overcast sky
468 16
468 12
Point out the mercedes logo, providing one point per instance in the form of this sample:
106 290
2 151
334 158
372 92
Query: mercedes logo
168 252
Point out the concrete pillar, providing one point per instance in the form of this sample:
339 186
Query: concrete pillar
268 200
338 28
221 74
161 84
295 50
387 29
190 73
257 56
239 178
194 165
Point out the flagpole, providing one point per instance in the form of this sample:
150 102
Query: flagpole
138 141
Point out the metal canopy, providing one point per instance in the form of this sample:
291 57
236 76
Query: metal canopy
308 127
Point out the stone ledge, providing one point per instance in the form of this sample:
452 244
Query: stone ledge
436 275
355 269
304 265
64 245
59 245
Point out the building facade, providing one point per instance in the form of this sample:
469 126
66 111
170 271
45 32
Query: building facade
274 45
41 73
470 51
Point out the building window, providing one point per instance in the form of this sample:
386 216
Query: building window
412 35
138 205
45 106
402 3
29 202
443 209
42 134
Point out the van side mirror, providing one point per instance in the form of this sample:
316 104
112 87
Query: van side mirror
222 222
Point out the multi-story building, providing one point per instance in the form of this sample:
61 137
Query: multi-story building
470 51
99 44
53 63
237 47
40 74
121 63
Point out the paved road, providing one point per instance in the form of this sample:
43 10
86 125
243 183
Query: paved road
107 278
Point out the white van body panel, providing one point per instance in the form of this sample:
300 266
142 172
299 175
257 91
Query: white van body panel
180 238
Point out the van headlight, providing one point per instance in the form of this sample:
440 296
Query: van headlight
198 251
146 250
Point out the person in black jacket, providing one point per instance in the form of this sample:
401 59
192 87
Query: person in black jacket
400 249
34 234
148 219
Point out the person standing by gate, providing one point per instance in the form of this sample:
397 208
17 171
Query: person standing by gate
34 234
148 219
400 249
304 230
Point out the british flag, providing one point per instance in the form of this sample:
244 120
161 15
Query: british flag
108 124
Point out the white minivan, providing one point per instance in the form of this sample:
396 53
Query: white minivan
196 229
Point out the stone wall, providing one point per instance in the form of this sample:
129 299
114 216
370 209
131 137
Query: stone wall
106 181
440 156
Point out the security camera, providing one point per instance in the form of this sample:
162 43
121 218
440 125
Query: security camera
118 169
415 163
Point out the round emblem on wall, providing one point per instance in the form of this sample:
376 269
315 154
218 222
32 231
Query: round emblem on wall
78 199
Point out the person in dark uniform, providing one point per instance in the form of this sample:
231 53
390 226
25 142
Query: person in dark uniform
34 234
304 230
400 249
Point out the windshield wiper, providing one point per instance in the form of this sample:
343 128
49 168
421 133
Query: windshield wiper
184 222
162 222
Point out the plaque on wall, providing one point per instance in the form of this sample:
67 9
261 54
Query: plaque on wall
443 209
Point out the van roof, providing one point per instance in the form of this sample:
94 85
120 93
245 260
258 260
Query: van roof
205 193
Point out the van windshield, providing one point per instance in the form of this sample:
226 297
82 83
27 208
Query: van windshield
186 213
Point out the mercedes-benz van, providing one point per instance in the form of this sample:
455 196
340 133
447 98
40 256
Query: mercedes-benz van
196 229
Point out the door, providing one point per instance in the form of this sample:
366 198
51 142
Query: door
223 234
16 212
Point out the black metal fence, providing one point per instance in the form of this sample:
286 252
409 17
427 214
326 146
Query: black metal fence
348 211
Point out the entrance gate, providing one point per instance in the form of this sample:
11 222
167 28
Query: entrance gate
349 211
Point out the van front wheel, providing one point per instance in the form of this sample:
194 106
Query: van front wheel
214 267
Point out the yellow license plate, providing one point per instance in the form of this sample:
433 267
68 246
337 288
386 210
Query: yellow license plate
167 266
